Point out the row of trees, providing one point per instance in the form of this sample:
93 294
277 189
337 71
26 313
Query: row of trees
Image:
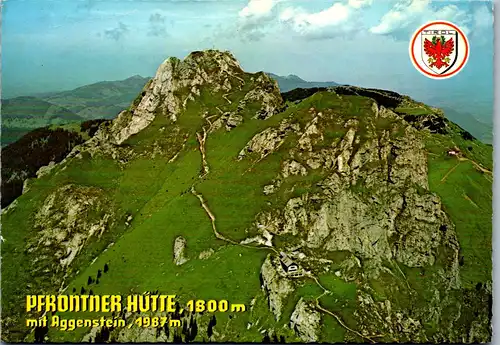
91 280
267 339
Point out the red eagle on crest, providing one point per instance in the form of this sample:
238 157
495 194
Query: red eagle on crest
439 50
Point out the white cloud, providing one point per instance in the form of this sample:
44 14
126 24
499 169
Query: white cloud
406 16
257 8
338 18
401 16
334 19
302 20
253 20
482 25
454 14
333 15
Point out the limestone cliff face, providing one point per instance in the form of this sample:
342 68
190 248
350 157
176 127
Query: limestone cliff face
277 286
306 321
374 202
374 199
65 222
175 84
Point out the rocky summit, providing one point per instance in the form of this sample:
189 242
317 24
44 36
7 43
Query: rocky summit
337 214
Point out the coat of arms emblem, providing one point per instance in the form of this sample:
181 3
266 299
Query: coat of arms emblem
439 49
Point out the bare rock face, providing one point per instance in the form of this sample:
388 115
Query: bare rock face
179 249
45 169
267 94
420 228
277 287
269 221
67 220
233 121
206 254
293 168
268 140
174 85
306 321
374 201
26 186
229 120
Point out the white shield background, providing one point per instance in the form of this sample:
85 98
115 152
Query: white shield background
417 54
447 34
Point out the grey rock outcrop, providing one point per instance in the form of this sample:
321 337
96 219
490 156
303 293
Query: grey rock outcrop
306 321
233 121
277 287
66 221
45 169
374 201
268 140
179 250
206 254
267 94
292 167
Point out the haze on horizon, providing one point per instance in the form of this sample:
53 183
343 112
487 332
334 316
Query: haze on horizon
357 42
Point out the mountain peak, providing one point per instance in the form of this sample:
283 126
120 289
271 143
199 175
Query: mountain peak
177 82
294 78
135 77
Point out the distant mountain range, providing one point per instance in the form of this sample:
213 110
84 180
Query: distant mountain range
292 81
482 131
104 100
100 100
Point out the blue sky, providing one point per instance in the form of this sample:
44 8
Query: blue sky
52 45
